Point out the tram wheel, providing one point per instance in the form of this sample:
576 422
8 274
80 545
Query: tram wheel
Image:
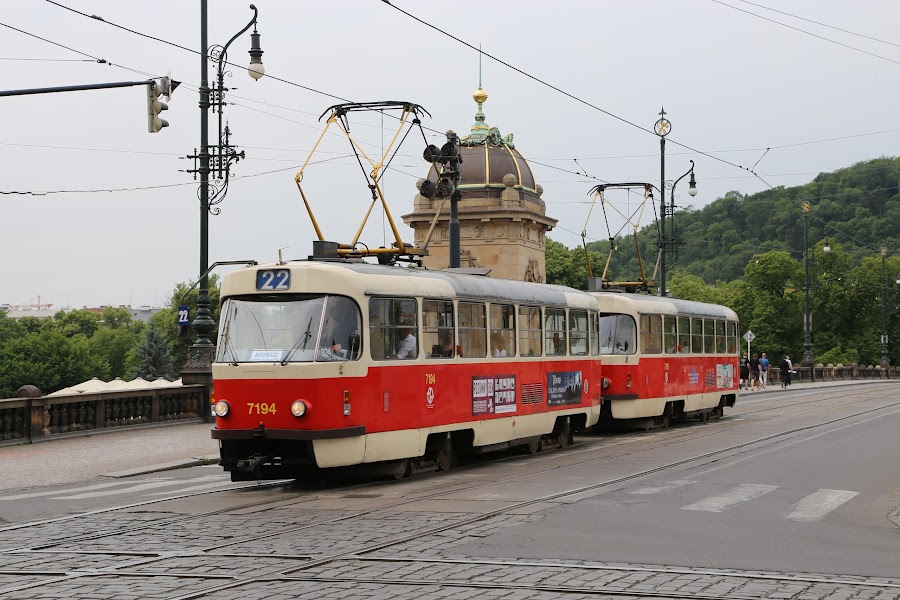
565 440
446 457
704 417
718 412
534 446
403 470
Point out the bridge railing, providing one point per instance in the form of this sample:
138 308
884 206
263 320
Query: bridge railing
836 373
31 416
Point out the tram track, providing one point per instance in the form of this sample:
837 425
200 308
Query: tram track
364 553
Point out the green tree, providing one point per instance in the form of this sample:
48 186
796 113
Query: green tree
152 358
49 360
74 322
113 346
116 318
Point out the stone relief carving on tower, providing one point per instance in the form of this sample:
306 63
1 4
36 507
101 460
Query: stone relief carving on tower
532 272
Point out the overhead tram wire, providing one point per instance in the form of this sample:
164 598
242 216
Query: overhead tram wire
567 94
162 186
436 132
192 51
868 37
815 35
94 58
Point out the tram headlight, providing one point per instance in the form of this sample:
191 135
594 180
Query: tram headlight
300 408
221 408
606 383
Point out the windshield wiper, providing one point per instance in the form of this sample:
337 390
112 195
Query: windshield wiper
303 340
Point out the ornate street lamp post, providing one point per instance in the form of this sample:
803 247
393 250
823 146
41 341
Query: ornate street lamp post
885 362
216 159
808 359
662 127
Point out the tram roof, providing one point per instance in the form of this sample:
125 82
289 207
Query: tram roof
642 303
386 280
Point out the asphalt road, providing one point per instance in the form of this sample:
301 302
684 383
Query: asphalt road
795 493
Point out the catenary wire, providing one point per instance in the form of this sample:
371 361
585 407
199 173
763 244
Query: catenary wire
821 37
868 37
567 94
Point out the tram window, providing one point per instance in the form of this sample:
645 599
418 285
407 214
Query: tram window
684 335
472 329
709 336
720 337
617 335
595 334
555 331
651 334
391 322
437 328
578 333
530 334
503 330
341 323
670 337
696 335
732 337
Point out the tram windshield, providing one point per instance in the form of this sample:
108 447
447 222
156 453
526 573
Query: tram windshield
283 329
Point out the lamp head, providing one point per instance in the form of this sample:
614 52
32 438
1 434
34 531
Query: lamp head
827 247
256 69
692 185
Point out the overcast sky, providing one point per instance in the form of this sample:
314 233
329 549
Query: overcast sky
733 84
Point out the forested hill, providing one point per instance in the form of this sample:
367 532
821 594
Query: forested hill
855 207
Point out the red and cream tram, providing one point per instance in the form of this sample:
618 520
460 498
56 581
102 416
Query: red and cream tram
325 363
665 358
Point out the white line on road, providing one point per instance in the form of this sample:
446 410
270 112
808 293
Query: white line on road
98 486
135 488
672 485
818 504
742 493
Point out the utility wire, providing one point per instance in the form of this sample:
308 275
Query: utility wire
821 37
99 60
868 37
162 186
565 93
50 59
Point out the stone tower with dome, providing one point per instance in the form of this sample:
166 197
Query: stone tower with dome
502 217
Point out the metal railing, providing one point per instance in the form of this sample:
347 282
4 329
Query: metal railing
26 419
836 373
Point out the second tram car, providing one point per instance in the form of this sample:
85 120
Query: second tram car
326 364
666 359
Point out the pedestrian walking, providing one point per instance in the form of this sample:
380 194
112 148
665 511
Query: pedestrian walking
786 368
745 372
763 370
754 372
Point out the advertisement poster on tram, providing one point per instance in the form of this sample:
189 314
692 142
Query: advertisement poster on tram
724 376
564 388
493 395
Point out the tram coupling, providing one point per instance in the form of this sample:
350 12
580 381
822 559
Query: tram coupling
253 464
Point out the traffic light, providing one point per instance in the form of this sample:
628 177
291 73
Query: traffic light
154 106
449 159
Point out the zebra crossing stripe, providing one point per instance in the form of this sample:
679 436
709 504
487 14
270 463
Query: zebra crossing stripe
742 493
820 503
672 485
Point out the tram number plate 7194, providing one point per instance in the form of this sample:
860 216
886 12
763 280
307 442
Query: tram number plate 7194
273 279
261 408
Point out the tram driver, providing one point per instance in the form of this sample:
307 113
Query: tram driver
340 331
